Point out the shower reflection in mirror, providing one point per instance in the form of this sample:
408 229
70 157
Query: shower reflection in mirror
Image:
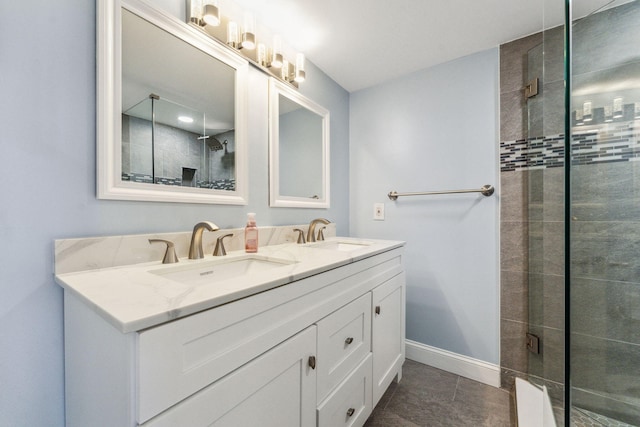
166 143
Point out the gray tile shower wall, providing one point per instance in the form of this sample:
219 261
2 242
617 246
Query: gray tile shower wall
605 225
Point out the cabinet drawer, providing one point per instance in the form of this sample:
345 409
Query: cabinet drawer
344 339
275 390
351 403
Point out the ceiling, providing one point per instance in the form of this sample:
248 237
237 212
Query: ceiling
361 43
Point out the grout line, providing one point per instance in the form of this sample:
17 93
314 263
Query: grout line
456 389
393 393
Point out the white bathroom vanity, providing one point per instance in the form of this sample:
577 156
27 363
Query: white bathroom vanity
297 335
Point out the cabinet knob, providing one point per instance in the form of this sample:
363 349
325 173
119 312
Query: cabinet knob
377 309
350 412
312 362
348 340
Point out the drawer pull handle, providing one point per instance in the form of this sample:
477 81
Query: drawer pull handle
312 362
377 309
350 412
348 340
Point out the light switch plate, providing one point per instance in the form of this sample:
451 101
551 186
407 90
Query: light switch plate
378 211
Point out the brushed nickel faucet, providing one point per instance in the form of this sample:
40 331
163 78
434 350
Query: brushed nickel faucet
195 249
219 249
170 256
311 237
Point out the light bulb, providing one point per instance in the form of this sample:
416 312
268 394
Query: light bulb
211 13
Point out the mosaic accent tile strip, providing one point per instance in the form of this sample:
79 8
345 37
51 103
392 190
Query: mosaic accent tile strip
220 184
618 142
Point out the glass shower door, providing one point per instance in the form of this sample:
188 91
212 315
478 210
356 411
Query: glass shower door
604 309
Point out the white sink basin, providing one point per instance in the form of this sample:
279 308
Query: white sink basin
218 270
341 245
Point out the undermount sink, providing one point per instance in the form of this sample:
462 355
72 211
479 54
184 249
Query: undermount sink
341 245
218 270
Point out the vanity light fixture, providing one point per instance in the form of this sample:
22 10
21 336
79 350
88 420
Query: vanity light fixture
211 13
248 33
243 38
232 34
276 54
299 74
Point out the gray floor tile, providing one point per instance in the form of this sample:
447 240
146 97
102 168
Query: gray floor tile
427 396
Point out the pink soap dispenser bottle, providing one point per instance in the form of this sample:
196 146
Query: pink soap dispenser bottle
251 234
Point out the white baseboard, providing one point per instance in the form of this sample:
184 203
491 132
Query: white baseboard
465 366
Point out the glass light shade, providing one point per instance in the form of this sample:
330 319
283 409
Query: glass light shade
300 74
211 13
608 113
617 108
262 54
195 13
579 117
586 111
249 32
276 55
232 34
284 72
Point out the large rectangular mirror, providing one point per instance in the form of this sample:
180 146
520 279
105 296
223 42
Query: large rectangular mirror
298 150
171 110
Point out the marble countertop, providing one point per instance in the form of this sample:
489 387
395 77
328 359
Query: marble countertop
139 296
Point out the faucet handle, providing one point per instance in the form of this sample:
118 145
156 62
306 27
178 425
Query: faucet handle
219 249
321 234
170 254
301 238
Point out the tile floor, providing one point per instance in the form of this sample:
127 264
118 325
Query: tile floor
427 396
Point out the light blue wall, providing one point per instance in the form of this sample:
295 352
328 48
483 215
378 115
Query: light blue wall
433 130
47 190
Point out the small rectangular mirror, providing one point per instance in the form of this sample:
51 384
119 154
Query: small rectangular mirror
298 149
171 110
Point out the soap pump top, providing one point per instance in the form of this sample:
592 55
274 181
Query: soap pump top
251 234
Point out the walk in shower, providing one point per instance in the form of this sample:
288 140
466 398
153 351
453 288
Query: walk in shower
167 143
570 179
603 232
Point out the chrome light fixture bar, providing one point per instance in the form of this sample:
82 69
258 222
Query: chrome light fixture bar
207 15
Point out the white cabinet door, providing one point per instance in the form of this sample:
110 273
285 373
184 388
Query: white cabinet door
388 325
276 389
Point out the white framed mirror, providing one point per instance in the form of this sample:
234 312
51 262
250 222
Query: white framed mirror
171 110
298 149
